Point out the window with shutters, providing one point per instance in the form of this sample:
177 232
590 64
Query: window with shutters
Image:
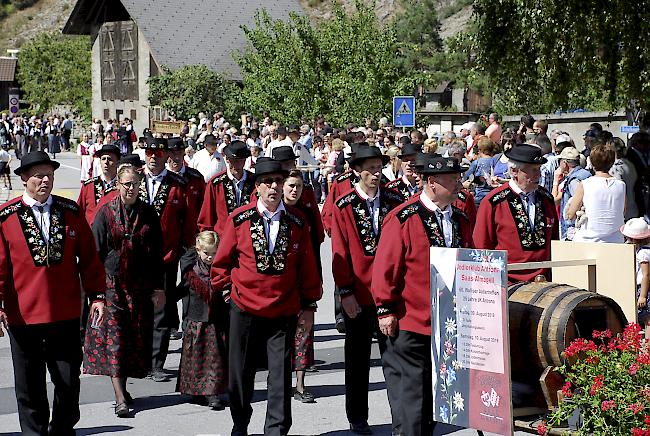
119 60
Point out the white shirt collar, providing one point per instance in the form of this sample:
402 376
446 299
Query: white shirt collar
160 176
429 204
517 190
231 177
365 196
103 178
29 201
268 214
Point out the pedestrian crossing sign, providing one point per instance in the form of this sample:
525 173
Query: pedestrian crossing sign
404 111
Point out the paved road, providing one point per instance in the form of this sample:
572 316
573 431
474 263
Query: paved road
159 409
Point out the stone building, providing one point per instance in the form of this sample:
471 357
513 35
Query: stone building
132 39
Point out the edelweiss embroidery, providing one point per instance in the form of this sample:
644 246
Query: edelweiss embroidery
270 263
530 240
43 253
363 220
432 228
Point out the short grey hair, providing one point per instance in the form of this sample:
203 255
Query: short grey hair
457 148
513 165
450 135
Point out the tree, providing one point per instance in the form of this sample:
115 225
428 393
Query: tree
549 55
189 90
345 67
281 67
54 69
417 31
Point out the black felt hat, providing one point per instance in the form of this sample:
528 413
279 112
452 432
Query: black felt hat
35 158
269 166
431 163
411 148
131 159
210 140
293 128
282 131
283 154
367 152
107 149
176 144
237 150
526 153
156 144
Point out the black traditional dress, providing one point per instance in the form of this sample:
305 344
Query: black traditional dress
204 360
129 242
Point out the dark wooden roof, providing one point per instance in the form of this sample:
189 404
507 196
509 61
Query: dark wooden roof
7 69
180 32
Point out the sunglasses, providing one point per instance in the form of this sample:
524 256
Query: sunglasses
130 185
157 153
271 180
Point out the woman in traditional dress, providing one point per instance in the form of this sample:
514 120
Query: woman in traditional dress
84 152
204 360
303 358
129 241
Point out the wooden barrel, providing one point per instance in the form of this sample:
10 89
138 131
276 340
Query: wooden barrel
546 317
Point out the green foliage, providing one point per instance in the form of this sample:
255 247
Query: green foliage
549 55
345 67
280 68
416 30
453 8
189 90
54 69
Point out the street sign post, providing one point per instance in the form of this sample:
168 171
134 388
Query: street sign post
14 104
404 111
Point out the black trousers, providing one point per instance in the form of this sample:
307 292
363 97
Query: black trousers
164 319
412 353
358 342
249 334
34 348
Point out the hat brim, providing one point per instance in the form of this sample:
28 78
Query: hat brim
234 156
356 161
21 169
541 161
100 153
431 172
644 235
285 173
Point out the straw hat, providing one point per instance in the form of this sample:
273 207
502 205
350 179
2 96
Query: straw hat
636 228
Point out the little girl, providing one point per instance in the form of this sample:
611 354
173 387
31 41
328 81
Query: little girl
637 232
203 370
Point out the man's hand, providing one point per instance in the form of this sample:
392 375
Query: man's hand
3 322
350 305
158 298
305 321
642 303
388 325
100 308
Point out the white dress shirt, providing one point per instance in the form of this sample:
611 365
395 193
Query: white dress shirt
207 164
237 184
41 213
153 184
529 202
373 206
271 223
442 215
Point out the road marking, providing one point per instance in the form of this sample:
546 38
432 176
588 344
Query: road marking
70 167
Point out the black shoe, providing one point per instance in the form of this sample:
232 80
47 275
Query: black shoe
175 335
214 403
340 325
122 410
304 396
128 398
158 375
360 428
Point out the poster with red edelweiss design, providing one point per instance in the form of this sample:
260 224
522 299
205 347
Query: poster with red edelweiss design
470 349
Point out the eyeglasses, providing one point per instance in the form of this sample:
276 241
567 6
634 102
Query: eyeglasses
152 152
130 185
271 180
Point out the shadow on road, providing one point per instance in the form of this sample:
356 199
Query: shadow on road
102 429
157 401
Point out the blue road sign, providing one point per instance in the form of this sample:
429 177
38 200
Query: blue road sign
404 111
629 129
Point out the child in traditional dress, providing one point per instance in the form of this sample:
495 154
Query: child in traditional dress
637 232
203 369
